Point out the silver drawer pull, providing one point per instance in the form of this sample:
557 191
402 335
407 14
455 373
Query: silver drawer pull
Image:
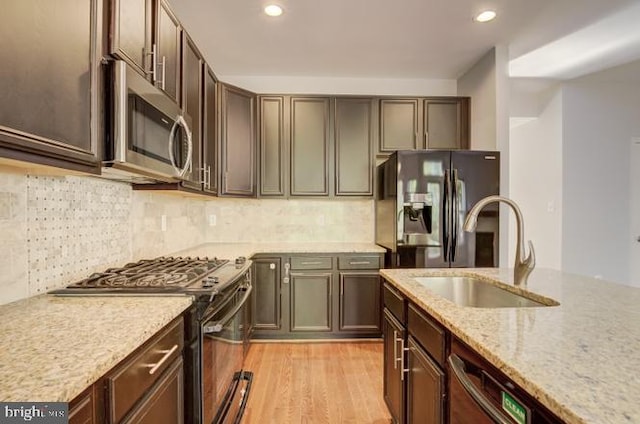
312 263
167 355
359 263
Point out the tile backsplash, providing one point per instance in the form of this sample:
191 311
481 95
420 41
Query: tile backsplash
75 226
56 230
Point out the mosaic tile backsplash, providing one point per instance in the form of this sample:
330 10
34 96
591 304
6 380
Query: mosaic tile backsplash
55 230
75 226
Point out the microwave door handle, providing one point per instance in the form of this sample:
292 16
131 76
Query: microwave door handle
217 326
180 121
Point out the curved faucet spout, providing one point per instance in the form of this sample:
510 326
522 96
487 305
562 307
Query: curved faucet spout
524 264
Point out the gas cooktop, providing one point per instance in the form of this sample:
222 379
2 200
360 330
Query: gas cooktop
162 275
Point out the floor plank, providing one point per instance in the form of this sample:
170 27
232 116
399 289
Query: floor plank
332 383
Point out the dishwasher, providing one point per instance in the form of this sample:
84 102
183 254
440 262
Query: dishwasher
480 394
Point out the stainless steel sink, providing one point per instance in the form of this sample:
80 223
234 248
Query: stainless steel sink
473 292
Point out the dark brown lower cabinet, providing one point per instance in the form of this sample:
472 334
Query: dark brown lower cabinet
394 394
359 302
311 301
266 297
164 403
87 407
425 387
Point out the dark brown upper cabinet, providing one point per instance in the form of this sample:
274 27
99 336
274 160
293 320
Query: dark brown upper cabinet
130 35
237 141
398 124
168 36
192 68
50 101
446 123
316 146
309 155
353 147
210 146
273 145
423 123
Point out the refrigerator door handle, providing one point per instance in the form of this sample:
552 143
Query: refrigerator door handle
445 217
454 217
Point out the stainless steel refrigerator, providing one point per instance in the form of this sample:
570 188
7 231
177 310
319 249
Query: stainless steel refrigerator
422 200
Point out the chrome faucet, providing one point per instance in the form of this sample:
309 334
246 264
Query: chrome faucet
523 265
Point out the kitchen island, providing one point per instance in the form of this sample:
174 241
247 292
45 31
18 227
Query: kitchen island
54 347
578 359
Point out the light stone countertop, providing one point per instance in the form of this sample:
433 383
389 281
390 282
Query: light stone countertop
580 359
54 347
233 250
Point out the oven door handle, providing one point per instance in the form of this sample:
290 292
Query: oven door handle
217 326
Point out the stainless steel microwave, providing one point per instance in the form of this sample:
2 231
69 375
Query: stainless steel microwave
149 136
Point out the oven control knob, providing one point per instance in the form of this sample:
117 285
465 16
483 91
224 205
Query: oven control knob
209 282
240 260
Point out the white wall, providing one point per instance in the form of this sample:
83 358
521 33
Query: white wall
343 86
479 83
600 118
535 161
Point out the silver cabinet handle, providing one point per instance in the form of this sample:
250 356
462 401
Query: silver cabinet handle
458 368
401 359
206 177
287 266
152 72
167 355
395 349
359 263
312 263
272 266
164 68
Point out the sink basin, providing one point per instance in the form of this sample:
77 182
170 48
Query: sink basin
476 293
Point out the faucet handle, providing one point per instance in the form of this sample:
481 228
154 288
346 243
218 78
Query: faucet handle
530 260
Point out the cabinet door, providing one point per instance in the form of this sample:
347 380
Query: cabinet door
164 404
354 156
209 140
130 34
309 146
49 82
168 38
360 302
86 407
311 301
446 123
425 387
272 146
237 141
393 335
266 294
192 105
398 124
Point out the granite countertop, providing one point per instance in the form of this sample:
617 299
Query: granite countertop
232 250
580 359
54 347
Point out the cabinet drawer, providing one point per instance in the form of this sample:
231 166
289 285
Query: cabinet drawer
359 262
394 302
129 382
428 333
316 262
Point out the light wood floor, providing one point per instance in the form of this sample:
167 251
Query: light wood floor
316 383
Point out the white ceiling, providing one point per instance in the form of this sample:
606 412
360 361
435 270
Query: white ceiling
419 39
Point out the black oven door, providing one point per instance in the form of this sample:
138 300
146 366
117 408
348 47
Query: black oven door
225 385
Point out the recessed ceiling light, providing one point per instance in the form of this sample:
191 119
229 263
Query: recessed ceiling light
273 10
486 16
